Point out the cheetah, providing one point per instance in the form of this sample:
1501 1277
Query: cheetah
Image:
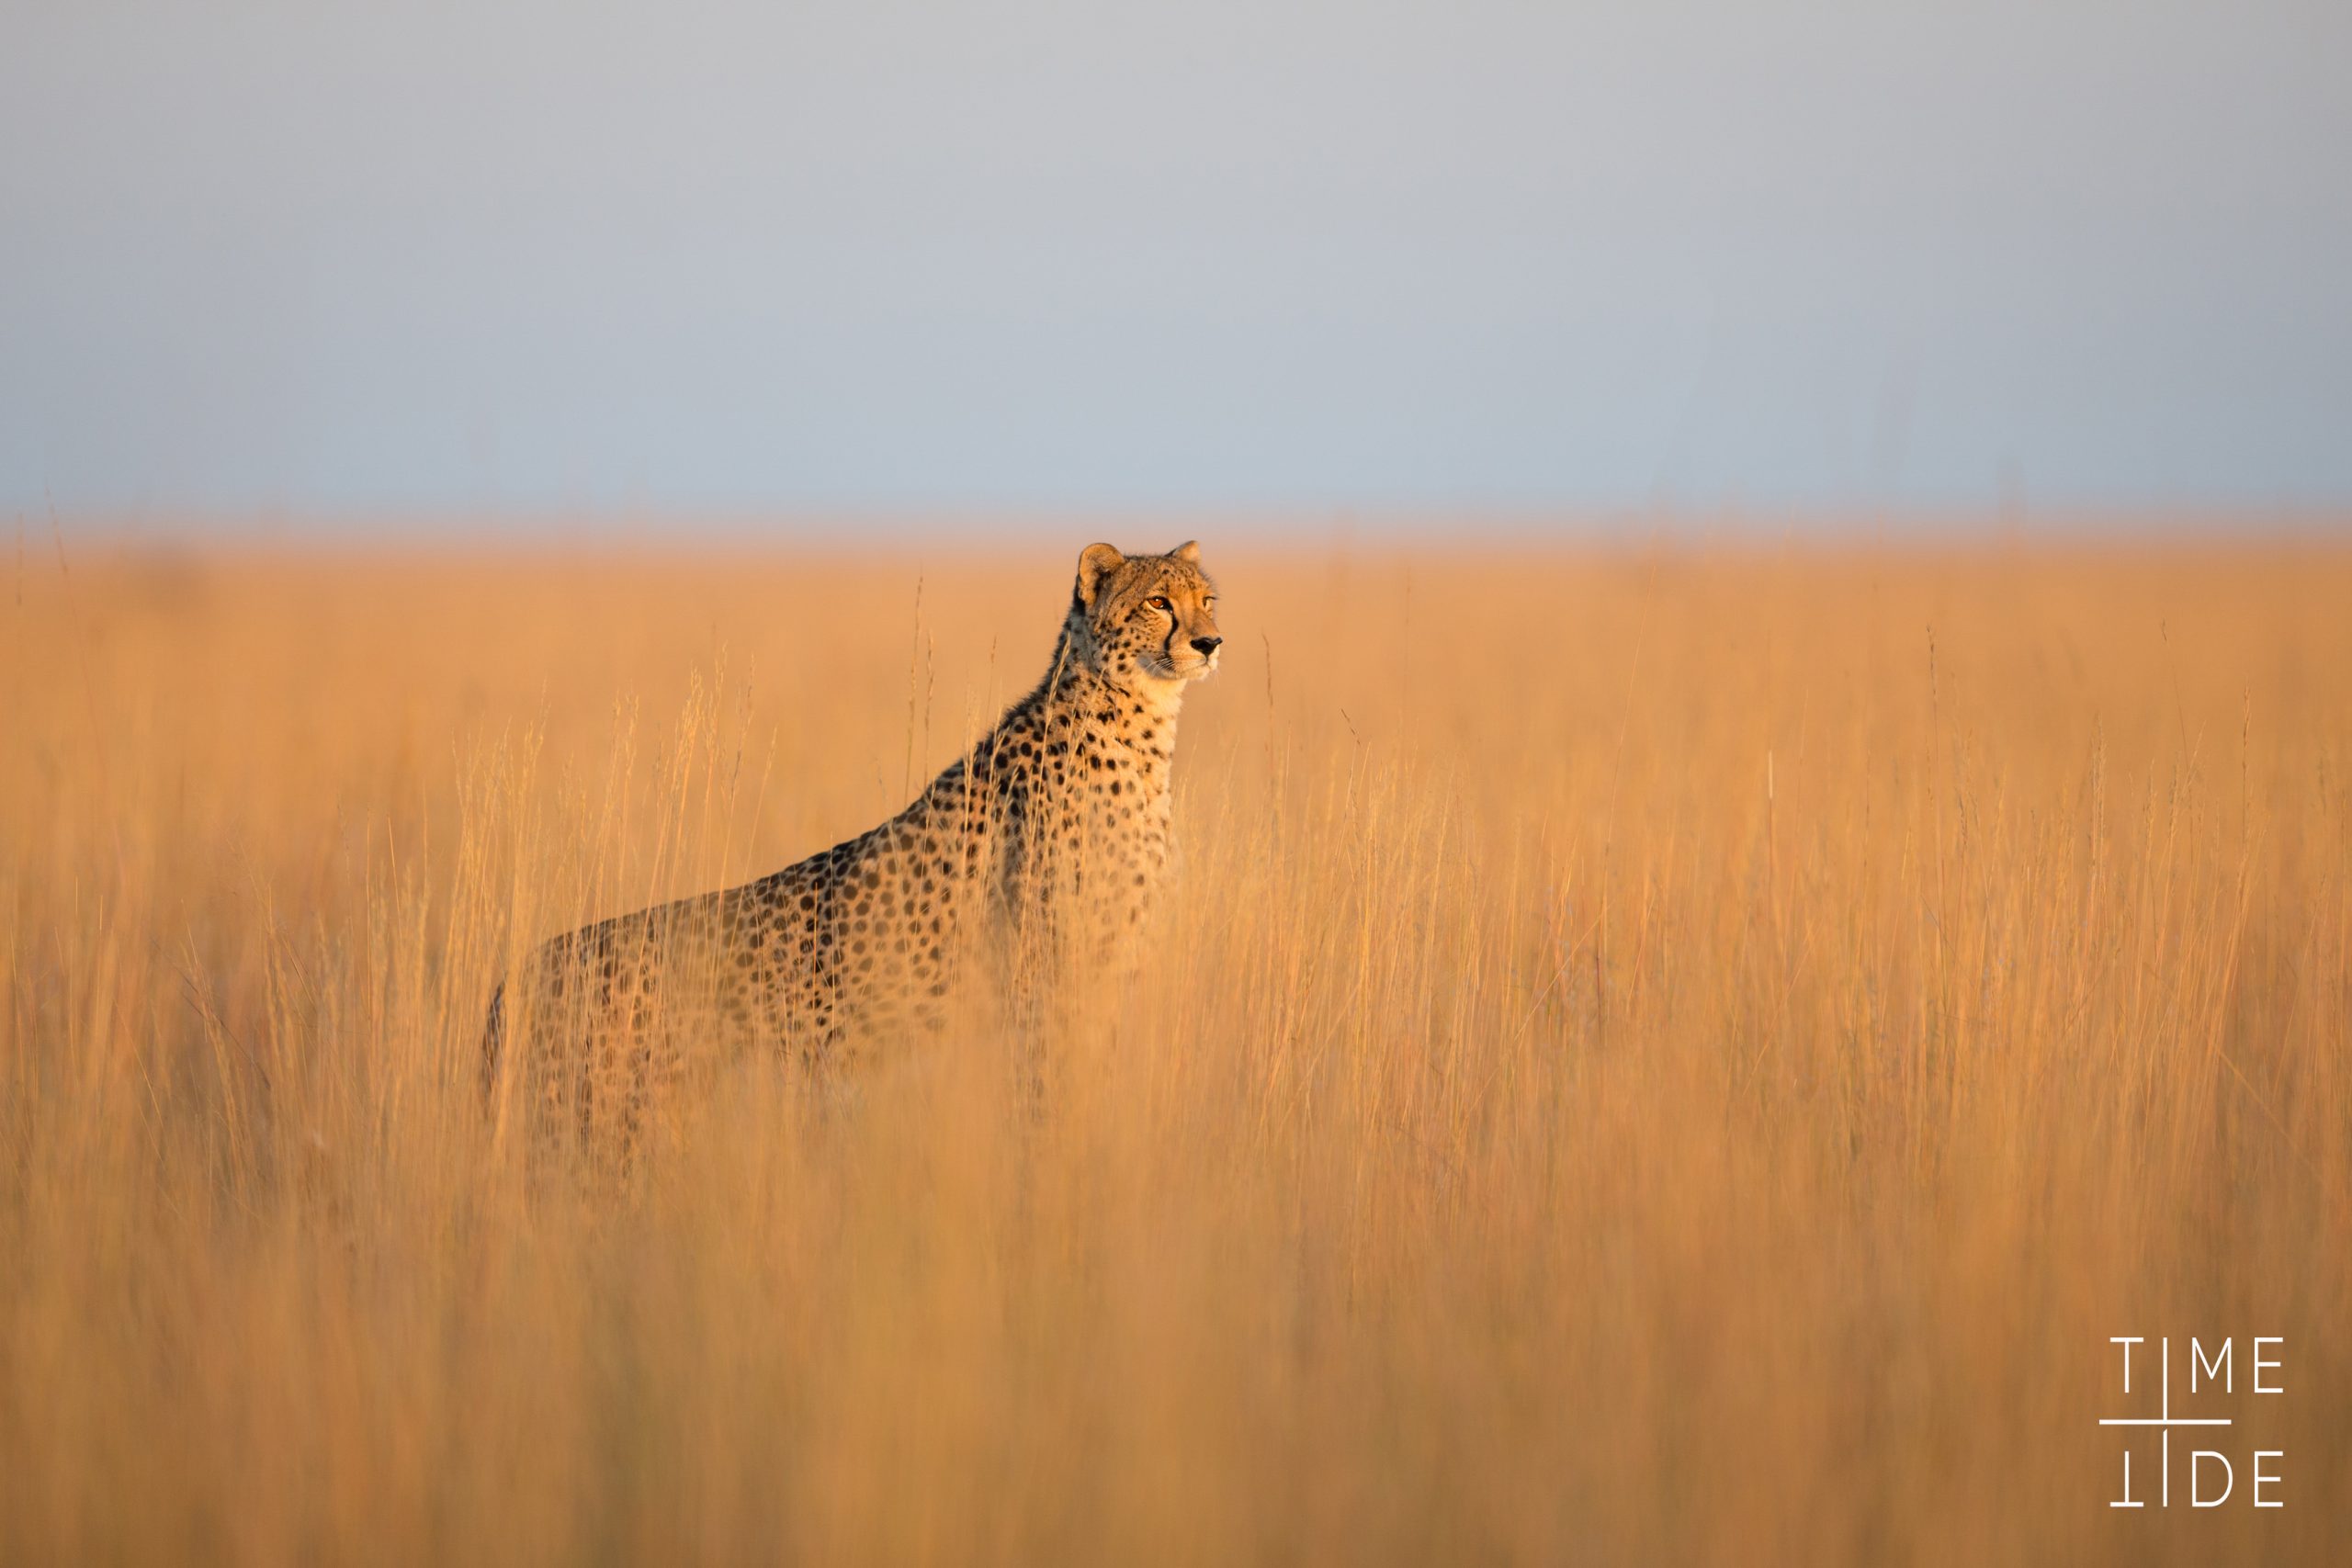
1036 852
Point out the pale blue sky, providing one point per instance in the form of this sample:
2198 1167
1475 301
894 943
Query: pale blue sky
333 258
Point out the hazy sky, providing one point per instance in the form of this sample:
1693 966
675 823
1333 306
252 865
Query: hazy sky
350 257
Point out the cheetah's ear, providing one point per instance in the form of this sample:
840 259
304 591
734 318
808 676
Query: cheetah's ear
1189 552
1095 563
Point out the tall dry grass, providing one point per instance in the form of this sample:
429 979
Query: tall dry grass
1668 1057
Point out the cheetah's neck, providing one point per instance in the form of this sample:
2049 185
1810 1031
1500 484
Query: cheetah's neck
1139 721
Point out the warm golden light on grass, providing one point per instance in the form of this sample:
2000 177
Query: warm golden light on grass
1677 1057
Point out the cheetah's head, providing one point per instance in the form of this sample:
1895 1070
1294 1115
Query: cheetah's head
1145 618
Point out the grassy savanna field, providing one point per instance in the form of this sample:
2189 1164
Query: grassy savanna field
1661 1054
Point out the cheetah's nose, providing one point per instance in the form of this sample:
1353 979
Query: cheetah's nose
1206 645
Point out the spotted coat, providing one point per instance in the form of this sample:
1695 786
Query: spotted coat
1035 854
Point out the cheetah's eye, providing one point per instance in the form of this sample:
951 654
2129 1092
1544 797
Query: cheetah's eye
1159 601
